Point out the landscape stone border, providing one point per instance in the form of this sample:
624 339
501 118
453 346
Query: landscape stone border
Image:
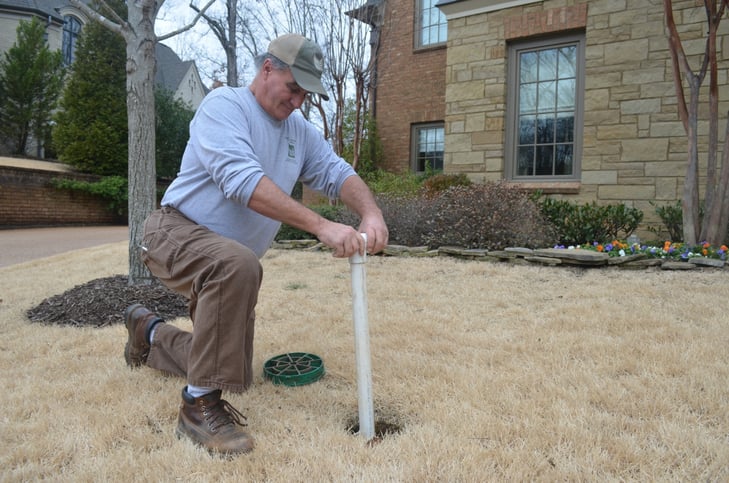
543 256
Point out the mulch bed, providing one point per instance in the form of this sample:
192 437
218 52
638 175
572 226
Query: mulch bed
101 302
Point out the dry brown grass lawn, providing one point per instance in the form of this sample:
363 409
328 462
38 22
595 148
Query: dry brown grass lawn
494 372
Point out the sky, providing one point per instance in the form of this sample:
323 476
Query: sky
199 43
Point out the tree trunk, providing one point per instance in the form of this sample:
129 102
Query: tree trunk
231 49
358 122
690 198
716 217
141 65
711 155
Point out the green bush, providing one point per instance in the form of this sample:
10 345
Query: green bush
672 218
580 223
397 184
113 189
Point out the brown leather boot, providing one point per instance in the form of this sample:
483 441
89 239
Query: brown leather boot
139 321
213 423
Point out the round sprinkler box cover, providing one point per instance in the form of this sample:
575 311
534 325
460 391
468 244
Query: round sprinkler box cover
294 369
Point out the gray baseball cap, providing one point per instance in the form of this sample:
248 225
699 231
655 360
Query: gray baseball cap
305 59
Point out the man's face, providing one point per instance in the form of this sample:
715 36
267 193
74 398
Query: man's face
282 94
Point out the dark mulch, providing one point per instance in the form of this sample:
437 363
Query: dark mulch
102 302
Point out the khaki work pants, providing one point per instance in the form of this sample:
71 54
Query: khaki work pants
221 278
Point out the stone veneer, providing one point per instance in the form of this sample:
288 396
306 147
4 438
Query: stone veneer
634 145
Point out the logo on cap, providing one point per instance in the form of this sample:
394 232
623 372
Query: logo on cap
319 61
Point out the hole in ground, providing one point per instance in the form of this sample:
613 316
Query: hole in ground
383 426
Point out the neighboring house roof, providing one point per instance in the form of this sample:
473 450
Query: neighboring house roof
178 76
170 68
37 7
369 13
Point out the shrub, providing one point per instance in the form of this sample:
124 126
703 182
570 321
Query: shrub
672 218
405 216
489 216
439 182
113 189
396 184
580 223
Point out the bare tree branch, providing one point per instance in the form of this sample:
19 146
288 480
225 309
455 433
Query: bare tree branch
190 25
225 30
112 13
117 27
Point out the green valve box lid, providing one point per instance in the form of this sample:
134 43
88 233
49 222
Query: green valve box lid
294 369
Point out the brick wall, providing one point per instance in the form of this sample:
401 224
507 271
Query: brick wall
410 86
27 198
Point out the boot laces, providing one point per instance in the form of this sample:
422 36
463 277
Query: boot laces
222 414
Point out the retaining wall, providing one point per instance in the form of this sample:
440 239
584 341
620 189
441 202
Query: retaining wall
29 199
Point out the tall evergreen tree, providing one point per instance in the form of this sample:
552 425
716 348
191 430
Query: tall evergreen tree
173 117
91 127
30 83
136 26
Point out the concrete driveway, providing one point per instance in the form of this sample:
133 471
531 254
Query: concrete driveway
22 245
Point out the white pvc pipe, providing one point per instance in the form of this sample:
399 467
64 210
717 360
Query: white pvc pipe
362 344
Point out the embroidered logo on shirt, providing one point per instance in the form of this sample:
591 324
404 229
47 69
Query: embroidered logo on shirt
292 149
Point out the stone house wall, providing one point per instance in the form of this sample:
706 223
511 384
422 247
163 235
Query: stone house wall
634 145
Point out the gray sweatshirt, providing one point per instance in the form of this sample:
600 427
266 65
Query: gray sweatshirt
233 144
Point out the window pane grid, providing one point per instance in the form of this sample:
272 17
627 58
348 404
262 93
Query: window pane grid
430 144
546 111
432 23
71 30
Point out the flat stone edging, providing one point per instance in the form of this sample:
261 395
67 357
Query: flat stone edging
526 256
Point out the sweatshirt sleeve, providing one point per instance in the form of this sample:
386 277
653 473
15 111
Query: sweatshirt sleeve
323 170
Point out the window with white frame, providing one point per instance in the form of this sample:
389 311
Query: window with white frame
428 144
431 27
71 31
544 109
